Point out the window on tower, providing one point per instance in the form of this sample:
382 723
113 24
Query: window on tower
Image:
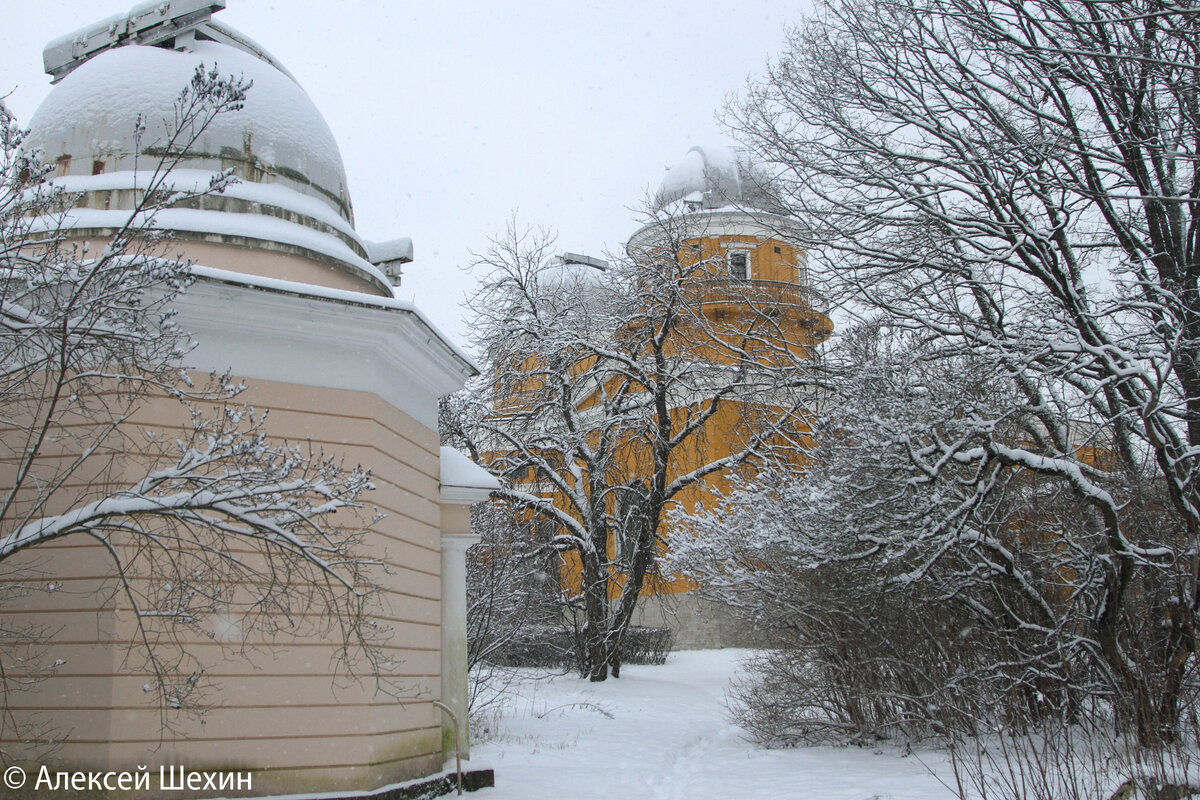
739 266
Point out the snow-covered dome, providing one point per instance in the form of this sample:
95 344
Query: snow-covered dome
712 177
570 270
92 114
291 194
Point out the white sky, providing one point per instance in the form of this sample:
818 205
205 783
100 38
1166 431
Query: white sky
452 115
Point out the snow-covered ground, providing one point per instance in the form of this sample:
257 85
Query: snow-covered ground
664 732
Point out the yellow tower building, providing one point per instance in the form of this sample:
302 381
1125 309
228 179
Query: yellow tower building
746 304
726 219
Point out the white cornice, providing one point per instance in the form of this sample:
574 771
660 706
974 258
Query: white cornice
727 222
463 495
292 333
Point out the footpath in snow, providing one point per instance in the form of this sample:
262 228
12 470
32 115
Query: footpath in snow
664 732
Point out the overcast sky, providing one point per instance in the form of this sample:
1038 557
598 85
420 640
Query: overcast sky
453 115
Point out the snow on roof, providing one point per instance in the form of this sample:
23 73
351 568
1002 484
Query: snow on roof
560 272
220 32
463 480
92 113
702 169
79 33
149 23
192 181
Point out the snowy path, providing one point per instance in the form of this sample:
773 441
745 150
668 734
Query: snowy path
661 733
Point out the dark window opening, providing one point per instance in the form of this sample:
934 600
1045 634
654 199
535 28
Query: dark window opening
97 167
737 266
777 250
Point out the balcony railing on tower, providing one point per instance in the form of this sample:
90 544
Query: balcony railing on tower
755 293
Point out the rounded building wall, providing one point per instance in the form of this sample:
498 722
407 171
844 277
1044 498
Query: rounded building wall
247 256
300 722
760 305
741 267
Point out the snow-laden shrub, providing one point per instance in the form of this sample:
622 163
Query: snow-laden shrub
858 666
915 592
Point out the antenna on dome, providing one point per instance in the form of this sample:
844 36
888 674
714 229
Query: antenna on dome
163 23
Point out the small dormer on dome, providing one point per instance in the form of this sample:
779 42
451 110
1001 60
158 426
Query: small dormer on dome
715 177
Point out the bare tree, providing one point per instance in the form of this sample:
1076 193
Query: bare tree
905 604
513 605
1019 181
603 387
208 518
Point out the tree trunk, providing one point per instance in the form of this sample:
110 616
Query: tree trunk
595 605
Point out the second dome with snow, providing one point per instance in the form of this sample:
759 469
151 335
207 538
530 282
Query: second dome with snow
712 177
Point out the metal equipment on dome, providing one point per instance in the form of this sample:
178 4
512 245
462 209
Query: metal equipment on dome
576 258
163 23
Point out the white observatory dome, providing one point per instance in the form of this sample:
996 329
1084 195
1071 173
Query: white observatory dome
92 114
290 195
714 177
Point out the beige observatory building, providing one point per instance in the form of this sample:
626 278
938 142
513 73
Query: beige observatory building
289 299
